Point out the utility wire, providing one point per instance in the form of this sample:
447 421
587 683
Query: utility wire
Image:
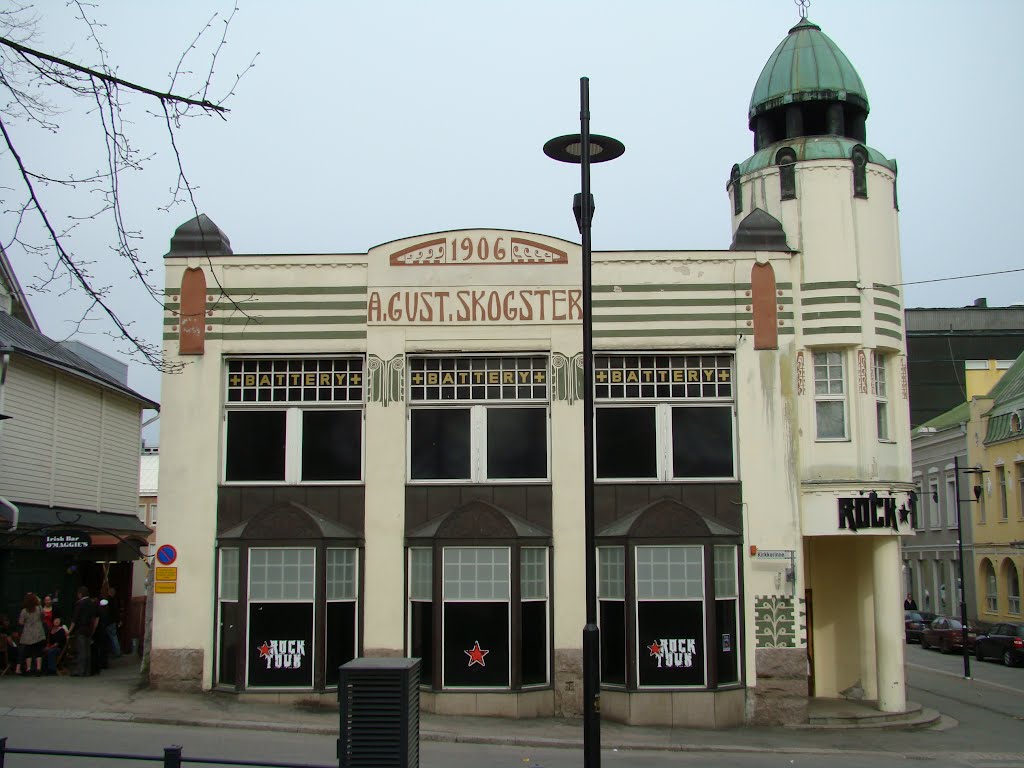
962 277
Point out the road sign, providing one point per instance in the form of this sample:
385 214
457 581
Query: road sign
165 587
166 554
773 554
166 574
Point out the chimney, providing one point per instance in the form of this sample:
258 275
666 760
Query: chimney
982 302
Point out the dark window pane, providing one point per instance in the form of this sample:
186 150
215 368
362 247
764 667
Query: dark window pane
421 620
331 445
534 646
467 628
702 442
726 634
227 656
439 444
255 445
613 642
281 644
341 638
626 442
517 442
670 643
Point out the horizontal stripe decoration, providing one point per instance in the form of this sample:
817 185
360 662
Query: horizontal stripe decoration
279 313
888 311
712 314
830 308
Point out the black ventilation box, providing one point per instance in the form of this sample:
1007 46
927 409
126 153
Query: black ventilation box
379 705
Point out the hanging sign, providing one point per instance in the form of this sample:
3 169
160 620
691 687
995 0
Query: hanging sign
66 540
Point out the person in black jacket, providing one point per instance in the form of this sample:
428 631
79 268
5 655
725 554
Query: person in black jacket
83 625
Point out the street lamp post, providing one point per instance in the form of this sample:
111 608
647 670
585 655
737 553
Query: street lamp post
960 555
584 149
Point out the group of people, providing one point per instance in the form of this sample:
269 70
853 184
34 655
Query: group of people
41 635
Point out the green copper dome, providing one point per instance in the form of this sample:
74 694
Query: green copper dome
806 66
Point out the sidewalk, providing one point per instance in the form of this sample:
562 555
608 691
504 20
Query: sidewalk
116 695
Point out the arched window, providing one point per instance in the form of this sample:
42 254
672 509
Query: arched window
668 589
991 587
785 158
479 599
1012 580
859 155
737 191
287 600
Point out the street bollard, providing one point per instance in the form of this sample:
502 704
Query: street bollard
172 757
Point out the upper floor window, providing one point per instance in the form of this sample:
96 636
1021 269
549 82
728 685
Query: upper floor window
881 397
664 417
935 518
478 419
830 395
1020 488
294 420
1004 513
952 508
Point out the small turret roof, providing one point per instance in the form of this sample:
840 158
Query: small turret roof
806 66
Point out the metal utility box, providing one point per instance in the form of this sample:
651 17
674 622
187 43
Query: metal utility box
379 705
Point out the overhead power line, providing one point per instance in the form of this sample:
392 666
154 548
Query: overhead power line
962 277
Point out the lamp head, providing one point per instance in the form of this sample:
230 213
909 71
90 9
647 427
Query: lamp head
569 149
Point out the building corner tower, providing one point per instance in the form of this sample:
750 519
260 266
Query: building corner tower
814 185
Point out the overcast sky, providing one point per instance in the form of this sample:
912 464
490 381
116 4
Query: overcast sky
364 122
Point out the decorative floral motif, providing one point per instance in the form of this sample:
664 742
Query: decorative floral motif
387 380
903 375
862 372
567 377
775 621
800 372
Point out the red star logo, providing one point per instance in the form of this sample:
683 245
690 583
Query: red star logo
476 654
264 650
654 648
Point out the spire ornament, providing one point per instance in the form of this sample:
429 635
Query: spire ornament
802 6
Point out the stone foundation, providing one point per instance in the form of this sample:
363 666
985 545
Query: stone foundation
678 709
525 705
176 669
568 668
780 697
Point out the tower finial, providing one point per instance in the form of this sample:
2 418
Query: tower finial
802 6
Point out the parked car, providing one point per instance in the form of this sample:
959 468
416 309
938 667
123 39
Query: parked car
927 617
947 634
1004 642
913 625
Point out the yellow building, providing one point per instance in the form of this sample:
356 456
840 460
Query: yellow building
995 444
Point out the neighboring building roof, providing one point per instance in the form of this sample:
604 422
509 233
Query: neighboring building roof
955 416
1008 399
149 472
19 338
806 66
19 302
813 148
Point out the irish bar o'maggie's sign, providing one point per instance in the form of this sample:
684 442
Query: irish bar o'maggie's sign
66 540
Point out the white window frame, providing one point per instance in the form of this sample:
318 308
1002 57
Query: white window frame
952 507
226 595
822 398
152 514
508 608
1012 594
663 439
883 420
991 588
1001 484
935 511
478 413
293 443
636 612
546 599
1019 468
311 600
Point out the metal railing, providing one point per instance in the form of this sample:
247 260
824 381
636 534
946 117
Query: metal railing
171 758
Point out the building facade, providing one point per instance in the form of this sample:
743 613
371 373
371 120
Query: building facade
69 462
380 453
995 443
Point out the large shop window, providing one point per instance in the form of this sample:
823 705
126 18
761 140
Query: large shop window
478 419
294 420
664 417
669 613
479 616
281 617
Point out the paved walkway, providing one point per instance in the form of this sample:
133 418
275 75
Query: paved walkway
117 695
